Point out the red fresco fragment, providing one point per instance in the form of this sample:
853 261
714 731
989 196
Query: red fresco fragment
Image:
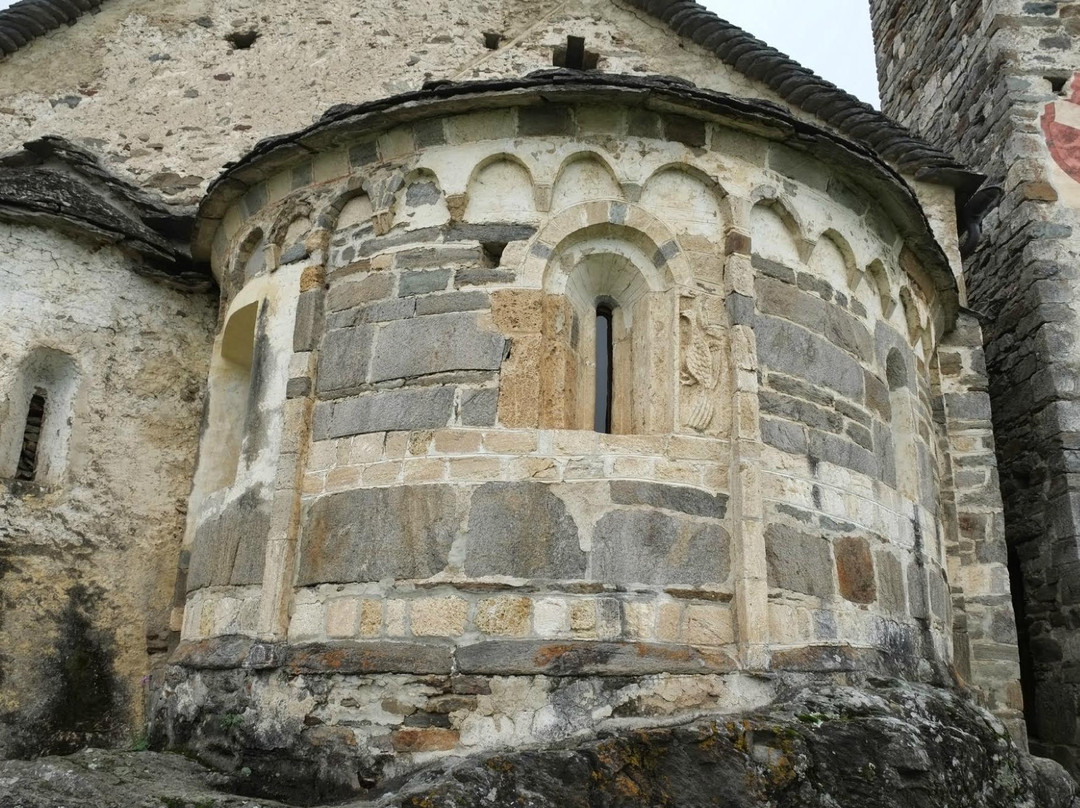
1063 140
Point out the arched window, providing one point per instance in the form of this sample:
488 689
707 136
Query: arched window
229 393
605 362
35 419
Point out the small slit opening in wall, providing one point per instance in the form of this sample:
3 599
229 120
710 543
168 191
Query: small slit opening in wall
605 354
242 40
493 252
31 442
492 40
1057 83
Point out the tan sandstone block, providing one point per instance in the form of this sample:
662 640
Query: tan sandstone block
668 622
397 443
424 739
439 617
517 311
509 442
475 468
341 617
583 616
519 383
424 470
458 441
640 620
632 466
709 624
314 483
382 473
396 610
370 618
343 478
506 616
364 448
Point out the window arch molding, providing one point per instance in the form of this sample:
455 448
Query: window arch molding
610 273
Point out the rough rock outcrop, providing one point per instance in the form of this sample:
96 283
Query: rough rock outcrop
878 746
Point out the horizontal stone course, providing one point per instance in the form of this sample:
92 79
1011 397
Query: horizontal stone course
384 411
693 501
578 658
368 534
434 344
793 350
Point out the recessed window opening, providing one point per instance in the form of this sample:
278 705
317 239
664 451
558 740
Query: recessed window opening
28 455
230 390
605 363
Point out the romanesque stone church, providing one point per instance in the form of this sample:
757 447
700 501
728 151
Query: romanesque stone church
536 402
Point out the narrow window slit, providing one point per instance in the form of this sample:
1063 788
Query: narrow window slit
605 353
28 456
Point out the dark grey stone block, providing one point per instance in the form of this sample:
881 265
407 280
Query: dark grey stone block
975 406
649 547
680 498
453 301
798 561
548 119
386 411
297 252
435 344
772 269
802 412
343 360
848 333
842 452
479 407
784 435
482 276
369 534
422 283
230 548
786 300
522 529
368 656
793 350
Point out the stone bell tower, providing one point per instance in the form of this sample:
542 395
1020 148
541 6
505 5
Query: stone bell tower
994 82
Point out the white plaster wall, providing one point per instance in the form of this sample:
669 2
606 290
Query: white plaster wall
111 515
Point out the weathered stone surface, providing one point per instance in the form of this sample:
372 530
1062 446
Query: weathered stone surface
790 349
230 548
374 533
374 656
809 750
680 498
647 547
343 360
583 658
798 561
384 411
855 569
522 529
479 407
434 344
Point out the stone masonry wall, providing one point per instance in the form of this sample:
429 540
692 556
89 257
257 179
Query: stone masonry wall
437 506
161 91
88 550
992 82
